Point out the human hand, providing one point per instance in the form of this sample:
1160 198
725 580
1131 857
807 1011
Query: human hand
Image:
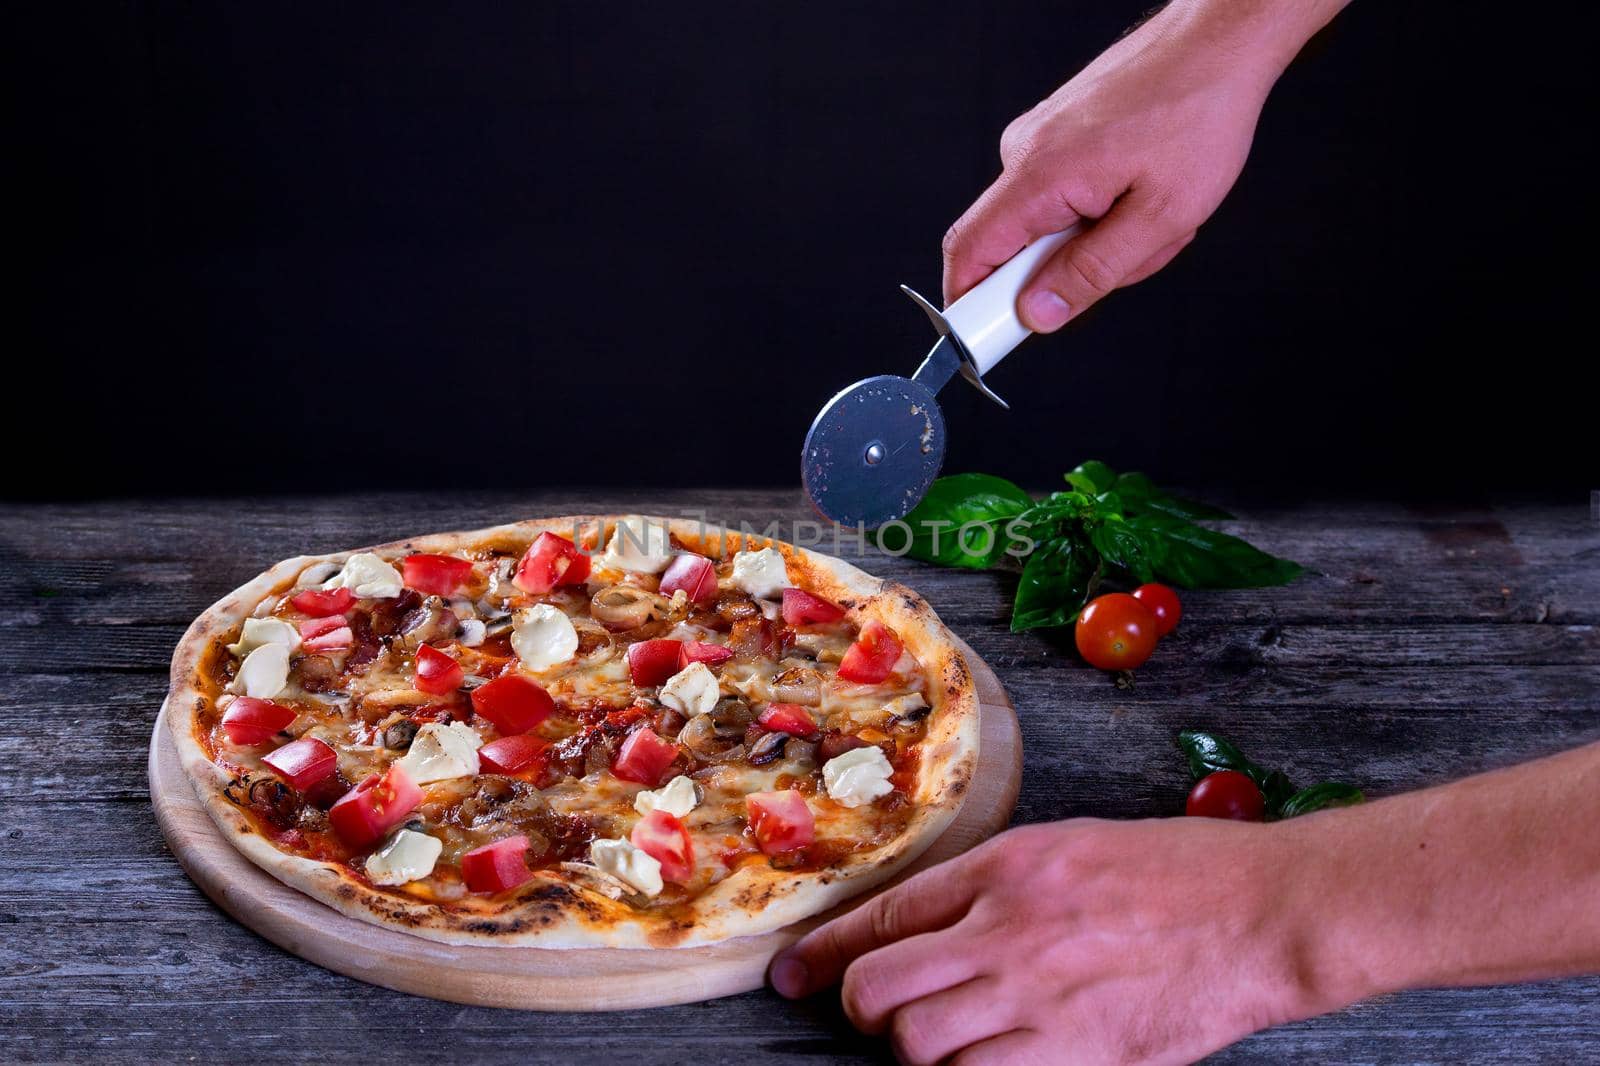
1147 140
1080 941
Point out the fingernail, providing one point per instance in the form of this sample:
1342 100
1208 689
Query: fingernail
1045 311
789 977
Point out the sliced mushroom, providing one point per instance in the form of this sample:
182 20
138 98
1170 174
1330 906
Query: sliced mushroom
767 748
472 632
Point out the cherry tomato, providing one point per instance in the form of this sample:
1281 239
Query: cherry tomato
665 839
1226 794
438 574
1163 603
1116 632
498 866
551 561
437 673
872 657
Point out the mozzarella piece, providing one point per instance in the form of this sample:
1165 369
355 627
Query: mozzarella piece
902 705
640 545
692 690
367 577
762 574
543 636
677 797
408 856
632 866
264 672
441 751
858 777
259 631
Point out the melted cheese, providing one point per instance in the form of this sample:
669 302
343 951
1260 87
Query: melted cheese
264 672
628 864
640 545
368 577
259 631
543 637
440 752
858 777
677 797
691 691
408 856
762 574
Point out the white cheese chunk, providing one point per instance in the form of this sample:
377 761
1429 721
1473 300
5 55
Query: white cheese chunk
628 864
677 797
638 544
367 577
761 574
259 631
858 777
691 691
441 751
542 636
902 705
408 856
264 672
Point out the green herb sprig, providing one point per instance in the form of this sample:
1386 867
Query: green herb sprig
1104 525
1209 753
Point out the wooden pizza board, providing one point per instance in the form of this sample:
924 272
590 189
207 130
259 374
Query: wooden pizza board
589 979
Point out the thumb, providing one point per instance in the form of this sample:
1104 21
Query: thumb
1095 262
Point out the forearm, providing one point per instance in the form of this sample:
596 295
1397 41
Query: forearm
1490 879
1264 35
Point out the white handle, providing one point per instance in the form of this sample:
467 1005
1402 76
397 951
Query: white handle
986 317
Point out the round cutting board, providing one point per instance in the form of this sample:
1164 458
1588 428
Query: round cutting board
589 979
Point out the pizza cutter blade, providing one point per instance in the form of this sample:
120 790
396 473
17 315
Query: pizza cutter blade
874 448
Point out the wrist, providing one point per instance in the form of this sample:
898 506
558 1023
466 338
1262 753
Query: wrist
1256 39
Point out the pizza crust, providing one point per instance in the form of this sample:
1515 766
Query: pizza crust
550 911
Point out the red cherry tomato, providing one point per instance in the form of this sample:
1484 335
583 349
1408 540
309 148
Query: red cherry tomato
1116 632
498 866
652 662
781 821
1163 603
254 721
513 703
872 657
694 574
802 608
438 574
551 560
643 757
437 673
1226 794
319 603
664 838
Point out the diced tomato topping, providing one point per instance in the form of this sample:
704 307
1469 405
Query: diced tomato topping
666 839
801 608
788 718
320 603
511 755
302 762
551 561
694 574
643 757
364 815
437 673
651 662
251 721
438 574
781 821
872 657
513 703
498 866
695 651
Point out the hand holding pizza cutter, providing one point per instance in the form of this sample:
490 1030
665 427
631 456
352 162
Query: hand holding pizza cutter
876 447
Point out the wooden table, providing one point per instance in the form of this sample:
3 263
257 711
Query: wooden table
1434 643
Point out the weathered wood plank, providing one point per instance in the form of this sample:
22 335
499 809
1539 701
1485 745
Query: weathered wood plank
1431 645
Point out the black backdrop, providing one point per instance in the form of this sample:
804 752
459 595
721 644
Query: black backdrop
326 247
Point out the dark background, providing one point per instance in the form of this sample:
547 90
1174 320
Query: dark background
323 247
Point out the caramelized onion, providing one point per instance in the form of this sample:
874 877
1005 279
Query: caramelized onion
699 735
797 685
627 607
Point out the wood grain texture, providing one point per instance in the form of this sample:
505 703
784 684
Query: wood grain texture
531 978
1430 644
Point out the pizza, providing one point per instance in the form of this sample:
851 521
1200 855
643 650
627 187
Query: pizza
593 731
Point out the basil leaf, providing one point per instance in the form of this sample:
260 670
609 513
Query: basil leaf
1092 477
1194 557
1054 584
1139 493
1209 753
1319 797
1130 548
962 521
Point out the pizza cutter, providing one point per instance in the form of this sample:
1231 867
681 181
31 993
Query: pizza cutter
876 447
